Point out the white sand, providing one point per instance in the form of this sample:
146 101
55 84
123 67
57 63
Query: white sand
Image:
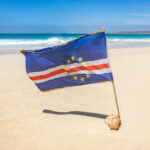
23 126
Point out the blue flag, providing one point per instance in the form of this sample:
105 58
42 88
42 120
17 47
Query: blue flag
78 62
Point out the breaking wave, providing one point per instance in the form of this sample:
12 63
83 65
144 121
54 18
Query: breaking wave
33 42
129 40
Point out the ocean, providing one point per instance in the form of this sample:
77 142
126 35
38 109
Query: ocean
12 43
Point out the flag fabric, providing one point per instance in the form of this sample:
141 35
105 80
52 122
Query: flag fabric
78 62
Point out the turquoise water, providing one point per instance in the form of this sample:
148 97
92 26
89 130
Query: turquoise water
46 36
38 36
22 41
128 36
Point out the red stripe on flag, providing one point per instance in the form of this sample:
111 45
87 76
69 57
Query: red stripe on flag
76 69
51 74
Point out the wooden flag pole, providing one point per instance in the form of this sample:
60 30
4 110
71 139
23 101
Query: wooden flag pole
115 94
116 100
114 121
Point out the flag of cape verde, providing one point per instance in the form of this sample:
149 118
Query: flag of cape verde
81 61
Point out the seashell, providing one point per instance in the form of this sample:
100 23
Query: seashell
113 122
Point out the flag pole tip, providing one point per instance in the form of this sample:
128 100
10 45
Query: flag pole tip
103 29
113 122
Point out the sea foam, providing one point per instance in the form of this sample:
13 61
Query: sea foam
32 42
129 40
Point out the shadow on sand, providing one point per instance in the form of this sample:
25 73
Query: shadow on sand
82 113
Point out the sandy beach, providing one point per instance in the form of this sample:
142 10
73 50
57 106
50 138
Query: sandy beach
24 126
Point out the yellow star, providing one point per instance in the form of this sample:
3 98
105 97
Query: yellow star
80 59
73 58
68 73
82 79
87 64
65 67
68 61
87 76
90 72
75 77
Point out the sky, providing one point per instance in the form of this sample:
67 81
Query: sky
73 16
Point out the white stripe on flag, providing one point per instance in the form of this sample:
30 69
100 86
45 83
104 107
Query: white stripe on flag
68 66
97 72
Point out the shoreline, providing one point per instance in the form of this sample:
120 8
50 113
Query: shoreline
7 51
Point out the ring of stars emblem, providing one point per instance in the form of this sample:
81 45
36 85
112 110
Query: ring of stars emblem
73 59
